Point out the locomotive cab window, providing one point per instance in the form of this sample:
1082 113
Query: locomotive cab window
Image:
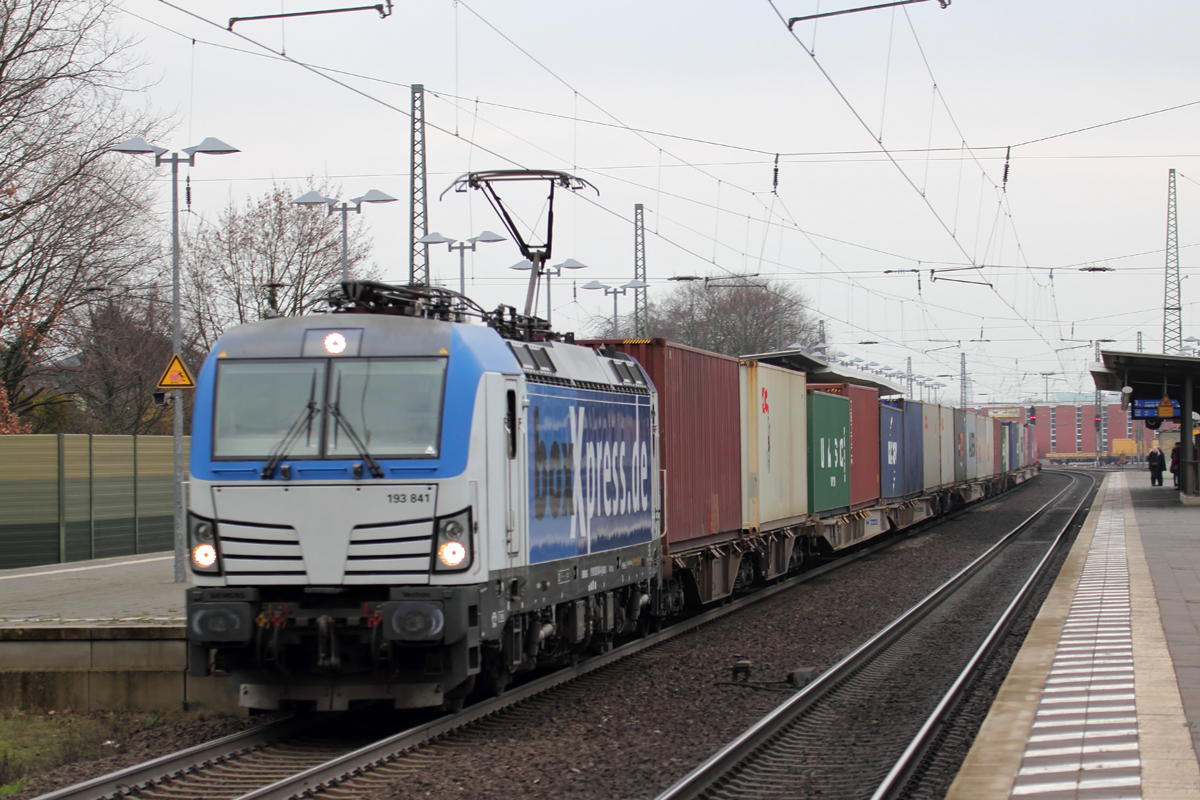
258 402
393 405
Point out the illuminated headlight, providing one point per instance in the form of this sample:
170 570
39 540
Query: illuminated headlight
204 555
202 542
453 542
415 620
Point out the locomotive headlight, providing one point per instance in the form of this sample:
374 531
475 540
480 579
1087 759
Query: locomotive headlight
453 546
415 620
452 553
202 541
204 555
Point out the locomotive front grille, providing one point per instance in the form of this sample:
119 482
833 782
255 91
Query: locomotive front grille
321 535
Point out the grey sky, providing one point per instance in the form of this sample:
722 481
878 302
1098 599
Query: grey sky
732 88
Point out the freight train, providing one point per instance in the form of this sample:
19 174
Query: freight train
391 503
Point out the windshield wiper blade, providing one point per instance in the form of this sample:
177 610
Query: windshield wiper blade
344 424
280 451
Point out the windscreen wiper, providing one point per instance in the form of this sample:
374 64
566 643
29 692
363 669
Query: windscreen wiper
280 451
344 424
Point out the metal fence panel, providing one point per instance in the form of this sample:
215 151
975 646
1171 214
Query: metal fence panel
74 497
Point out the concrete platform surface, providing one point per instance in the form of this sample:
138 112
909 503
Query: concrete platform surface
130 590
1103 699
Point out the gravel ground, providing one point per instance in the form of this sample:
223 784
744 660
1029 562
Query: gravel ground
138 745
631 730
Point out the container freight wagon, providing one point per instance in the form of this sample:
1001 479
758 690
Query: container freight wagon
931 447
946 443
892 454
699 439
864 440
960 445
774 447
914 447
998 459
828 453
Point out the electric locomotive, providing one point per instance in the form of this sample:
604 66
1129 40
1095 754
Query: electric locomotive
389 503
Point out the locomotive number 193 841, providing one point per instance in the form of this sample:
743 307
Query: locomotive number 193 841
416 497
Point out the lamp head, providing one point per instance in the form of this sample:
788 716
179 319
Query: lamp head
487 237
138 145
571 263
636 284
212 147
595 285
313 198
435 238
374 196
523 264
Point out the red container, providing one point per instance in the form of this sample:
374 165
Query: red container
864 440
1041 429
699 439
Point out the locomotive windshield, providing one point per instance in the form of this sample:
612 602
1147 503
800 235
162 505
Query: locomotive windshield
393 406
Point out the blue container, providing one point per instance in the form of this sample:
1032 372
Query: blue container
891 452
913 449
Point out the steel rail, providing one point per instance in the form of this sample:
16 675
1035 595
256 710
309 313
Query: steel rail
906 766
728 758
125 781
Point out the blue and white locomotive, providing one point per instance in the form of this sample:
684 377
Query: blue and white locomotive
387 503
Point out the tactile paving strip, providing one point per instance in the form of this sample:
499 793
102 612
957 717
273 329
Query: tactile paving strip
1084 741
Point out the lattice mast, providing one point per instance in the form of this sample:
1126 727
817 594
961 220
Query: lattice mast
1172 322
418 254
641 312
962 380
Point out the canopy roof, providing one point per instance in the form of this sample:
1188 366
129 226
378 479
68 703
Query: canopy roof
1148 374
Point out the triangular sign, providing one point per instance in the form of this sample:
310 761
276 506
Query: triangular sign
176 376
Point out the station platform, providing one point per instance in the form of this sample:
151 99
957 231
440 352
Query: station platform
1103 700
102 635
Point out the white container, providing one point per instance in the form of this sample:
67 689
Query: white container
774 446
931 442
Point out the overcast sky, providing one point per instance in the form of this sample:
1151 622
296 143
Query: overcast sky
891 128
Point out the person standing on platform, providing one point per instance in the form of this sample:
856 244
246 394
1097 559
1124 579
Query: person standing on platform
1176 452
1157 463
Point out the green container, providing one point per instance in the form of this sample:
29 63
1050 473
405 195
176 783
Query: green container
828 453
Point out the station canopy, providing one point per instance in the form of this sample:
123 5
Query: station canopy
1149 375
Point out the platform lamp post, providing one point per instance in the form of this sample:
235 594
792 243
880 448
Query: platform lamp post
317 199
554 271
213 147
614 291
487 237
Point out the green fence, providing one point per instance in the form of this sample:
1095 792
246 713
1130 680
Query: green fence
71 497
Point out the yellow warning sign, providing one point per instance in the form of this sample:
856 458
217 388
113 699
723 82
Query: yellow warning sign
1166 408
176 376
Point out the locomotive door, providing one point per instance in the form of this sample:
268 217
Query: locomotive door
514 473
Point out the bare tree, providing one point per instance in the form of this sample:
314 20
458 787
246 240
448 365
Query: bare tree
71 217
269 259
121 351
733 315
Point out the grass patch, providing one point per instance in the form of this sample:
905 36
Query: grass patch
32 742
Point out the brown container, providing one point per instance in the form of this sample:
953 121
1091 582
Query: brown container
864 440
699 438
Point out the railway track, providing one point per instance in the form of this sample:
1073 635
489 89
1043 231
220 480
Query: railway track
838 736
290 758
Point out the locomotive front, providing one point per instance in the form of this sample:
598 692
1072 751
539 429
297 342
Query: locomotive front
338 475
